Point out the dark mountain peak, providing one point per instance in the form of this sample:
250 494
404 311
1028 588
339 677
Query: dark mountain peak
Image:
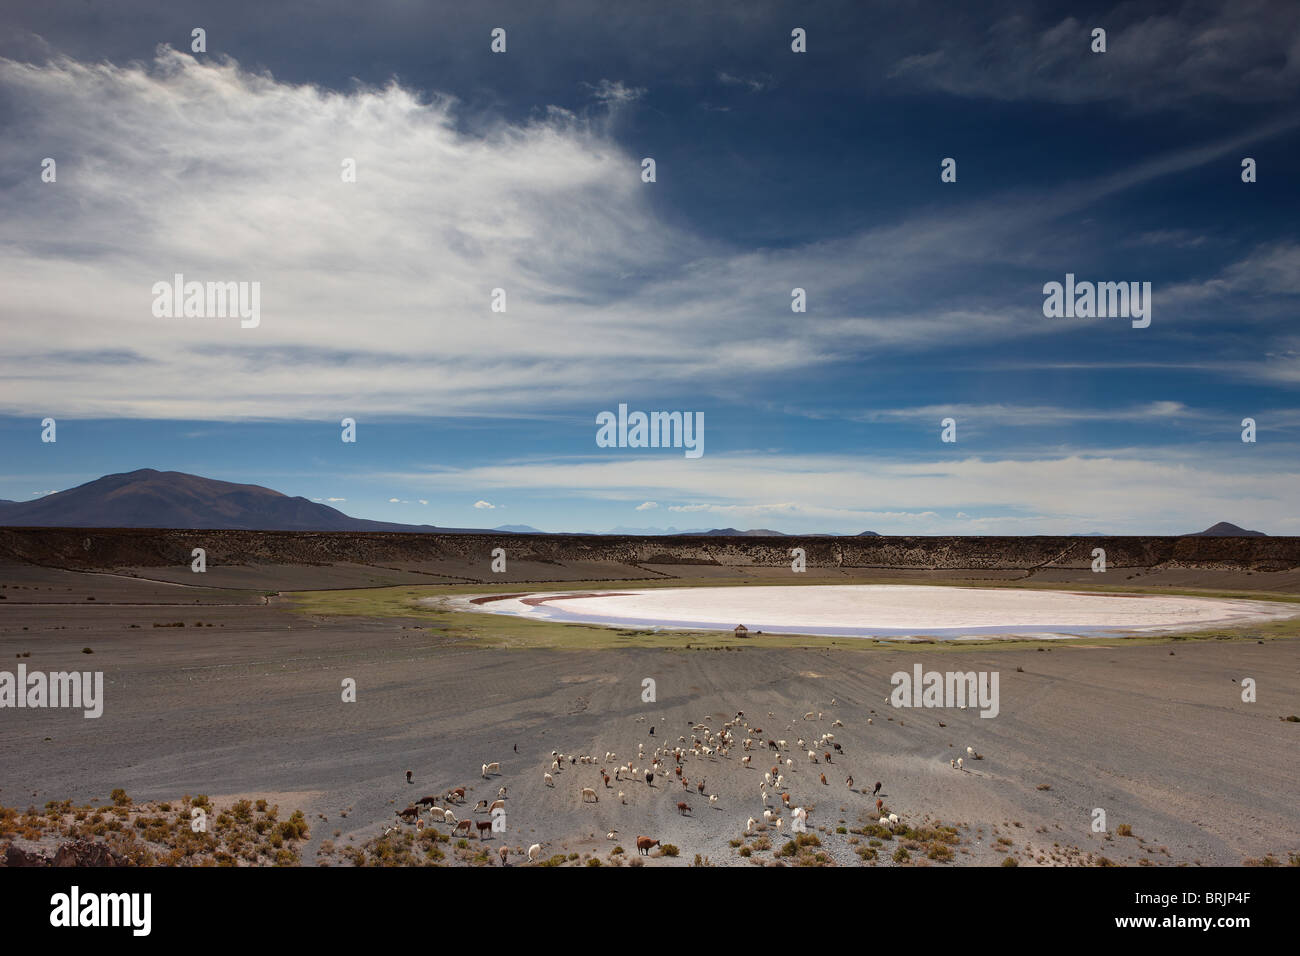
148 498
1225 529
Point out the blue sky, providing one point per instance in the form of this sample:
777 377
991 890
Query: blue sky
775 170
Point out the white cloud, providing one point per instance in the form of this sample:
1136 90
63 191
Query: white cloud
614 94
484 505
553 211
647 505
1035 415
1146 490
1189 53
755 84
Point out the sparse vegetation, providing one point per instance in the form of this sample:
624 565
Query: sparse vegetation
159 834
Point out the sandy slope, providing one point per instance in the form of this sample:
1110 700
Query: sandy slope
1156 735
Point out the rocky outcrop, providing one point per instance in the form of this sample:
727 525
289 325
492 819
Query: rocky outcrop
86 853
17 856
72 853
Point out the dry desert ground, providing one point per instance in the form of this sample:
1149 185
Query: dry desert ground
234 690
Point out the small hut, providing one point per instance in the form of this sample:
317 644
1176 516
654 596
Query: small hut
742 631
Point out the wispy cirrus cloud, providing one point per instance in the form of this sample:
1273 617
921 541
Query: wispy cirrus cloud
756 83
1187 53
604 296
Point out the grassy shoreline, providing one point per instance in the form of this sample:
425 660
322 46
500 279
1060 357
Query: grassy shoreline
503 631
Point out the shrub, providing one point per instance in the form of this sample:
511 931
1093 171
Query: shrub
295 828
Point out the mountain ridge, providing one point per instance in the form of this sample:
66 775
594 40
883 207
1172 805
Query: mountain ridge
149 498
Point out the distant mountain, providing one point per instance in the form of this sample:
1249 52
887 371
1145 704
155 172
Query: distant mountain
1226 530
867 534
173 499
519 529
733 533
621 529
